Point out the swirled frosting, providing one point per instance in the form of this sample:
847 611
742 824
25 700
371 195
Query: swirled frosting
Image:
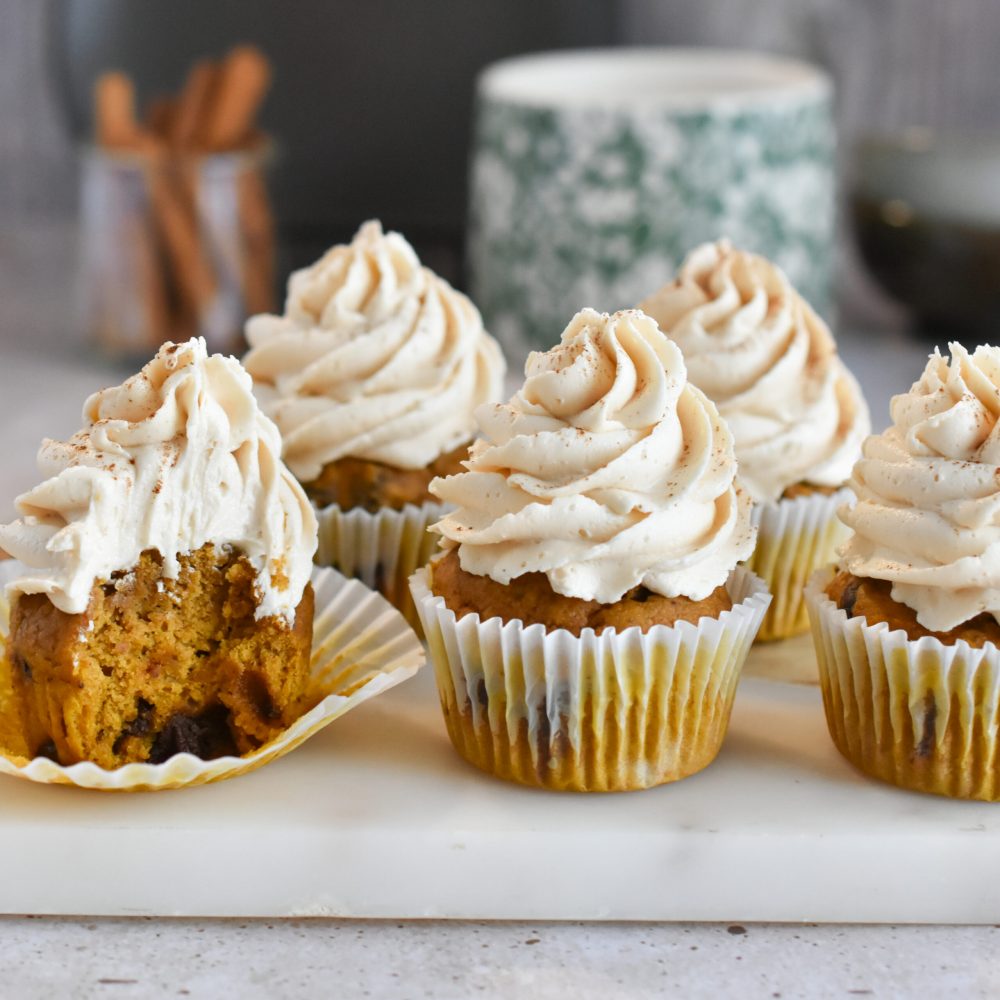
176 457
760 352
605 471
927 516
375 358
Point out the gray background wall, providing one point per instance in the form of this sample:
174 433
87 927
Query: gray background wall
895 63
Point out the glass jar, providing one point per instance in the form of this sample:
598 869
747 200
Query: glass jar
174 246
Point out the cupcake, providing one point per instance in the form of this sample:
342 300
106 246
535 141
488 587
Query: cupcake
373 375
756 348
163 604
586 620
907 632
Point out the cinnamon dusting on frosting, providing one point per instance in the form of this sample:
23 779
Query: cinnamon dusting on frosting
177 457
927 518
769 363
375 358
606 471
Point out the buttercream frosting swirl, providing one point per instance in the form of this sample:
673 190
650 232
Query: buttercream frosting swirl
927 516
176 457
607 470
760 352
376 358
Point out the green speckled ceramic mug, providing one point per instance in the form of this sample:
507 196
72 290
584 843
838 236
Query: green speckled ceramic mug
594 172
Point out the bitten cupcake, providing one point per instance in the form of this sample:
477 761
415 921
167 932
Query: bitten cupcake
907 632
373 375
586 620
163 604
756 348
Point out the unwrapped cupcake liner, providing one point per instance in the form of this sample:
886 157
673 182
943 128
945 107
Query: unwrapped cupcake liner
597 712
917 713
795 537
361 648
381 549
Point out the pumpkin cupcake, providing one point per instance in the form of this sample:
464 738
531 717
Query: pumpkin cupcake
372 375
756 348
163 603
586 620
907 632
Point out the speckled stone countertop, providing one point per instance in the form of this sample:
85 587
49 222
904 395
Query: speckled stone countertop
45 957
125 959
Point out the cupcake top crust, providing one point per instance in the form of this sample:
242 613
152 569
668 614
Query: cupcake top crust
607 470
176 457
927 516
760 352
375 358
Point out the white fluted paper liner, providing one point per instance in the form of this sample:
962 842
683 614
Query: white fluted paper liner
361 647
608 712
916 713
795 537
381 549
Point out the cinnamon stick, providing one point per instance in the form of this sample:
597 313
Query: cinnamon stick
176 221
152 286
193 104
257 230
114 105
160 115
174 250
242 82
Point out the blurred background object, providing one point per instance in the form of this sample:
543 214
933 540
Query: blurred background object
176 233
926 211
594 173
372 104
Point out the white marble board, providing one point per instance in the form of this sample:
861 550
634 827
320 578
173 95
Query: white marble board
377 817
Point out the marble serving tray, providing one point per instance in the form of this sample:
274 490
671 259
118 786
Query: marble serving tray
377 817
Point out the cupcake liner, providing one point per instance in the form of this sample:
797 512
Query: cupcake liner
361 647
608 712
795 537
913 712
383 549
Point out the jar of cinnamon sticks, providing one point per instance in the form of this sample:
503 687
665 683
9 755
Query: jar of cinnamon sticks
177 235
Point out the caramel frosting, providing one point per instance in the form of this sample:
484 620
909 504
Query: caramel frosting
759 351
375 358
176 457
607 470
927 516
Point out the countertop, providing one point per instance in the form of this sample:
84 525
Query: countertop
126 959
43 957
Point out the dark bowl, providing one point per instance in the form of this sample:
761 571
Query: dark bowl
926 212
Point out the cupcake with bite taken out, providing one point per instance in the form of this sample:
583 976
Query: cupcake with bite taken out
587 619
908 630
372 375
756 348
162 601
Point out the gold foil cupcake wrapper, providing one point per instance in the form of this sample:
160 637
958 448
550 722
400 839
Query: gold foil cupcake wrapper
795 537
381 549
597 712
912 712
361 648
